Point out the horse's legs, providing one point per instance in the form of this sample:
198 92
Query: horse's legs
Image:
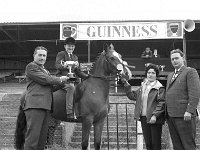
20 126
98 127
86 127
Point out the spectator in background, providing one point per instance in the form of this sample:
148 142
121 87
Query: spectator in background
147 53
150 106
182 97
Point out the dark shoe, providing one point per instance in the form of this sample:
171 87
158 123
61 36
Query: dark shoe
70 116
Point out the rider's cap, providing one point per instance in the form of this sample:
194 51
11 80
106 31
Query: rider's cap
70 40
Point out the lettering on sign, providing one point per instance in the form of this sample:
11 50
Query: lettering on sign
125 31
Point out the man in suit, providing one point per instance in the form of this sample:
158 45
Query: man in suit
182 97
64 56
38 99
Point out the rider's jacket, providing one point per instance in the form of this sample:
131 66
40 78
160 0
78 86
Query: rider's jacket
61 71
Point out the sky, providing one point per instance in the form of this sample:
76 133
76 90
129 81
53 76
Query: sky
97 10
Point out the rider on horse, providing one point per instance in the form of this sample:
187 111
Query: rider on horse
63 69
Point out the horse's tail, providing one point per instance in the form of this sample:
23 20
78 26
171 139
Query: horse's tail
20 130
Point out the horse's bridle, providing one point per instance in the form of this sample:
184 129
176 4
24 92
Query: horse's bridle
109 78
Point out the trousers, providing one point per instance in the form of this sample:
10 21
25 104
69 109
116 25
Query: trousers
152 134
183 133
69 88
37 127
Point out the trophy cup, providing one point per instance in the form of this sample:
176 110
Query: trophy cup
69 64
147 64
162 67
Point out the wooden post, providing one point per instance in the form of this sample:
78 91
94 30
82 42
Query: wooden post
139 136
116 79
89 50
89 143
184 47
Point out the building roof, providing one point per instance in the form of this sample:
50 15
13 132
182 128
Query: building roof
26 11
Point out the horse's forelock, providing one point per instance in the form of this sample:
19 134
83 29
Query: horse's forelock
103 53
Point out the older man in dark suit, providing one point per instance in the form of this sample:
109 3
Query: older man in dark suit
38 100
182 97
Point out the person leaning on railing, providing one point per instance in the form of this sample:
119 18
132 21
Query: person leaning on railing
147 53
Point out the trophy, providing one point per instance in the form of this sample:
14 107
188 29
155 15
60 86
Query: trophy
69 64
162 67
147 64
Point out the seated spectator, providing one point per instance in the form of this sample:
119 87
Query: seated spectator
147 53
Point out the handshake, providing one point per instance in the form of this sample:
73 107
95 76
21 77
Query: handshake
64 79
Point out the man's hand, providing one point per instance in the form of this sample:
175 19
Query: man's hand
187 116
76 64
64 78
65 65
123 80
153 119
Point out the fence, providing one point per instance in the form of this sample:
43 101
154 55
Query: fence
121 131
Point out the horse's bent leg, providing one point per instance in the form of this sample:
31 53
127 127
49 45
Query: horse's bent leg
98 127
86 127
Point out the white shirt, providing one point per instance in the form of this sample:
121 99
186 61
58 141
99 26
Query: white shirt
146 87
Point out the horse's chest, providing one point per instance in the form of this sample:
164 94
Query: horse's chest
96 88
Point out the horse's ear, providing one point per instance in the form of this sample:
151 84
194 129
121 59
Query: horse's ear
112 46
105 47
108 46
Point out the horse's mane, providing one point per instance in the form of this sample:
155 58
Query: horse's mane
97 60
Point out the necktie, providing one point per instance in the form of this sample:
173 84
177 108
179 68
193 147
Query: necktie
70 56
45 70
174 76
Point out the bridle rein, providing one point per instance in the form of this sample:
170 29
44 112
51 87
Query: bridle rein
114 77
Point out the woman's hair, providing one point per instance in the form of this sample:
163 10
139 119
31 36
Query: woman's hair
152 66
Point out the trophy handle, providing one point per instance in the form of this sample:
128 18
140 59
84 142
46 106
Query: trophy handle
62 62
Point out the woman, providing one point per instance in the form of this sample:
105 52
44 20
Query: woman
149 108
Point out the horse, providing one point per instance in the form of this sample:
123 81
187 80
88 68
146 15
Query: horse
91 97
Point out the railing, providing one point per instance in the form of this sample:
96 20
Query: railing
122 115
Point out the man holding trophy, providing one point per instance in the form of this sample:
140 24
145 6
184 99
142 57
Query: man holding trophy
67 64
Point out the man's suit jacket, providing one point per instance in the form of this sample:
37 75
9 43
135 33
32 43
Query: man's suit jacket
183 93
63 56
39 87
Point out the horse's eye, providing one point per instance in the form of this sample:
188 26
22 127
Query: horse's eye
112 58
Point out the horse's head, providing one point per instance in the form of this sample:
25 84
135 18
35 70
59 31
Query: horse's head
114 61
